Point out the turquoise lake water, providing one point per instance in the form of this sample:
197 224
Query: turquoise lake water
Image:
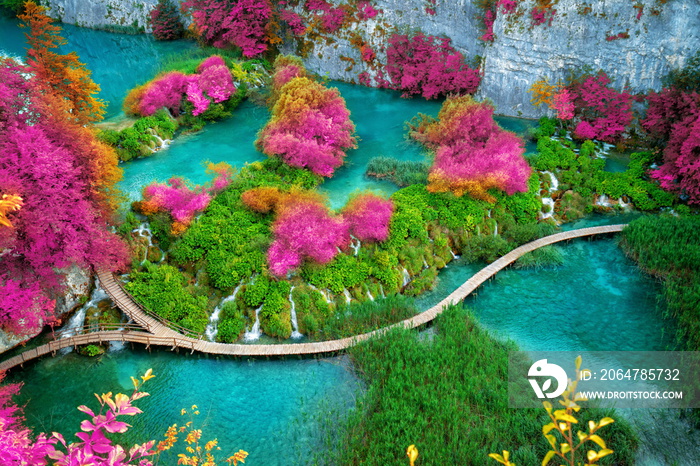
271 408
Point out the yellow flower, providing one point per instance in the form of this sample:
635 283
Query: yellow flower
148 375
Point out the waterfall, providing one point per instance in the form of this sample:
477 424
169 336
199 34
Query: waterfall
455 256
77 320
495 228
369 295
348 298
381 290
160 143
211 329
355 247
406 277
145 232
325 296
555 182
625 206
254 333
603 201
550 202
293 317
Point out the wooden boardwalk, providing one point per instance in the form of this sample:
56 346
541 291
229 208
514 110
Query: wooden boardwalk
157 331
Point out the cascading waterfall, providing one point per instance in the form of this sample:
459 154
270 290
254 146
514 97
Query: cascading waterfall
381 290
548 200
212 329
355 246
323 293
160 142
145 232
425 263
369 295
293 317
455 256
406 277
77 320
254 333
348 298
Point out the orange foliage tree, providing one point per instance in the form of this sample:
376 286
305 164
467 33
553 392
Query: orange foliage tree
64 74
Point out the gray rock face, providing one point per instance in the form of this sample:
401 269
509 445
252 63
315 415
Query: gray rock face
521 54
100 13
662 38
78 282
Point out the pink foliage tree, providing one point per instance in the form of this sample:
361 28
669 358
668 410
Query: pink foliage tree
472 153
305 230
563 104
165 91
196 97
605 111
176 198
310 126
294 21
62 222
673 118
217 82
223 23
332 17
368 216
214 60
429 66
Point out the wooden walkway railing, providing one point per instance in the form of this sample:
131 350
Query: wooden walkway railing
162 333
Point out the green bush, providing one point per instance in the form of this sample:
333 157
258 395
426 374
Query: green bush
485 248
546 256
449 396
669 248
400 172
136 141
231 323
163 289
357 318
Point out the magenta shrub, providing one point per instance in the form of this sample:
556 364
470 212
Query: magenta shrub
214 60
368 217
673 117
489 19
165 91
217 82
606 112
366 10
176 198
305 230
222 23
294 21
563 103
332 18
196 97
428 66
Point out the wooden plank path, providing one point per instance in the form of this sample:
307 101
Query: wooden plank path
162 333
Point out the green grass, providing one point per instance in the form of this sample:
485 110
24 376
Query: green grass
448 396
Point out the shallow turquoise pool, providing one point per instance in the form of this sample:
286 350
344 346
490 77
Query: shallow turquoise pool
268 408
271 408
118 62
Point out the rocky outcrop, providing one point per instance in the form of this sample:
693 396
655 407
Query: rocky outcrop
588 34
78 283
126 15
636 43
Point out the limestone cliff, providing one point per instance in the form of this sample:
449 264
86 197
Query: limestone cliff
636 43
